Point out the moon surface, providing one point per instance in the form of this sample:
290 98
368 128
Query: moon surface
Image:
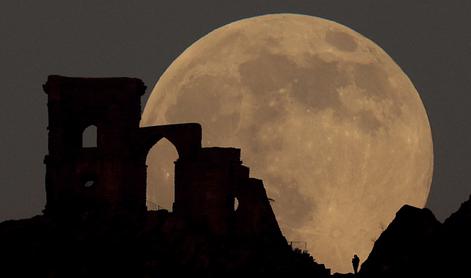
323 115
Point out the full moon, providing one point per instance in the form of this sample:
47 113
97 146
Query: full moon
323 115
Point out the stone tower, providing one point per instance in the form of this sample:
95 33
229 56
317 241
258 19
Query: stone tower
80 179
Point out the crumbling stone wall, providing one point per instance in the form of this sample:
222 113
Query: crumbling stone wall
111 177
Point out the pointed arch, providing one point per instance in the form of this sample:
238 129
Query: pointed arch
160 191
90 137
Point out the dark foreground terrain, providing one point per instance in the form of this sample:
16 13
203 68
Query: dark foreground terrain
415 244
158 245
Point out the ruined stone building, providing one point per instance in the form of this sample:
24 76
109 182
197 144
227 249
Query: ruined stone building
111 177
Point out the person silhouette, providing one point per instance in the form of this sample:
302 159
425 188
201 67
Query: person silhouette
355 263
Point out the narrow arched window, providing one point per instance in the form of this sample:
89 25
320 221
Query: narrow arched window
160 175
89 137
236 204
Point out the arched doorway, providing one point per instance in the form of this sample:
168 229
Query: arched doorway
89 137
160 192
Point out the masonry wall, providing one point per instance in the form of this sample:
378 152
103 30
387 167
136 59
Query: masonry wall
111 177
113 106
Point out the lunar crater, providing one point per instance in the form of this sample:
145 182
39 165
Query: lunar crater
341 40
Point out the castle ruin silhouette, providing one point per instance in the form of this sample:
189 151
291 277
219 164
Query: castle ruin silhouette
96 224
111 177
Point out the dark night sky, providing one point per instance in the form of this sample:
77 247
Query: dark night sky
430 40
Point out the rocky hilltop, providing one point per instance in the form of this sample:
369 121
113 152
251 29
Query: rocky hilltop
415 244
